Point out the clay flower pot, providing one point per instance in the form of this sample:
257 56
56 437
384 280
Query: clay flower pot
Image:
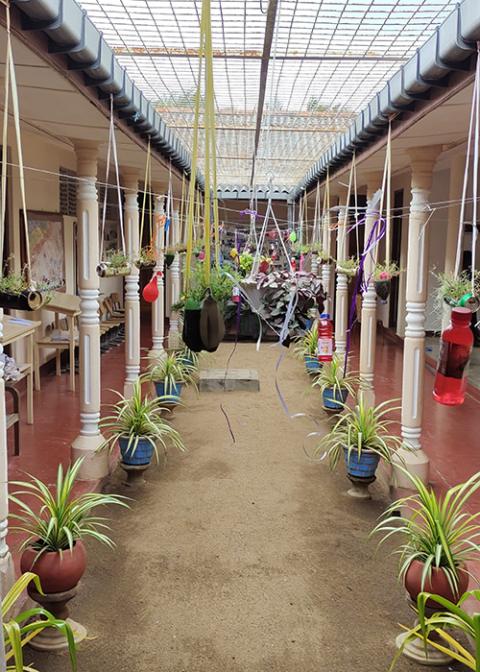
58 571
437 583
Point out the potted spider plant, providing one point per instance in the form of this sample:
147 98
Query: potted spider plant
335 384
169 375
307 347
348 267
382 278
438 628
456 290
188 358
116 263
56 527
137 425
16 293
18 630
439 537
361 435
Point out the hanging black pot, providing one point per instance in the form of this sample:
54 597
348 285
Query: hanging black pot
169 259
191 329
212 325
382 289
27 300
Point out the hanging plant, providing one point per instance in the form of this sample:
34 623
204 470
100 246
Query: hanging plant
17 294
456 291
382 278
348 267
265 264
146 258
245 263
116 263
318 251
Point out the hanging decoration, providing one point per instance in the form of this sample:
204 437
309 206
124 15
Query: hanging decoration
17 290
112 262
148 254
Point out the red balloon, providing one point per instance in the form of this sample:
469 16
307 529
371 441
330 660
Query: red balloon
150 291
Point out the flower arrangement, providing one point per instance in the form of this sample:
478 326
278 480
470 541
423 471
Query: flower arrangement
385 272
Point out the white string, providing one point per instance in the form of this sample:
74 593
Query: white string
117 174
475 171
105 190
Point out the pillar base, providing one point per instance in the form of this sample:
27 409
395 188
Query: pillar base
422 655
7 573
95 462
415 462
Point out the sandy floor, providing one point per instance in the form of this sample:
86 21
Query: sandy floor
241 557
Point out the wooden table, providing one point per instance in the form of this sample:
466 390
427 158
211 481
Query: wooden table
14 329
60 304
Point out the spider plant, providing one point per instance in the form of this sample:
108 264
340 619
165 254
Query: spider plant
307 344
451 288
333 377
147 256
359 429
435 629
137 418
171 371
436 529
189 359
117 259
61 518
20 629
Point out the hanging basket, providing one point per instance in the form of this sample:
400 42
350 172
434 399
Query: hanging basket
145 263
169 259
191 329
106 270
469 301
212 325
30 299
382 289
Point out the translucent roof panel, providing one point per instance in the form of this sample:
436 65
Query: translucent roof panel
328 59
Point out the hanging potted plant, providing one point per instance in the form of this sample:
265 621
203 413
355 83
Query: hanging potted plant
16 293
348 267
362 437
307 349
146 258
440 536
382 278
137 425
169 256
169 376
335 384
18 630
116 263
456 290
245 263
323 256
55 529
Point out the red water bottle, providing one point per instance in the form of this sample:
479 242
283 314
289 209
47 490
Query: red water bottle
325 338
455 349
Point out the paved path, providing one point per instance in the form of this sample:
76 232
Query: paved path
241 557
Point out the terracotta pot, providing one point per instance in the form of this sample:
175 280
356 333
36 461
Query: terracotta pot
58 572
437 584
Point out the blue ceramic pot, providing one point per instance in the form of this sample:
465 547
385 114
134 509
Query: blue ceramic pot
142 454
333 400
312 364
364 466
174 392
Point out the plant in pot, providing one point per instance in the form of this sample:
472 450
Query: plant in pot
17 293
307 348
116 263
335 384
169 375
348 267
456 290
362 436
169 256
147 257
382 278
245 263
440 536
55 526
137 425
20 629
438 628
190 359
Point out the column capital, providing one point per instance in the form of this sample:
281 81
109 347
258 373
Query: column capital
373 180
130 178
422 162
86 152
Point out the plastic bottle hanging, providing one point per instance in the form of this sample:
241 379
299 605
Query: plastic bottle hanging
455 349
325 338
150 291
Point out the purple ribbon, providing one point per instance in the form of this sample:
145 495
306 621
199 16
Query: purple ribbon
361 283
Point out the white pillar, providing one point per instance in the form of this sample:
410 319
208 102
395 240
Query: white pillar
326 266
422 161
173 334
457 168
341 301
7 572
95 464
368 326
132 288
158 307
